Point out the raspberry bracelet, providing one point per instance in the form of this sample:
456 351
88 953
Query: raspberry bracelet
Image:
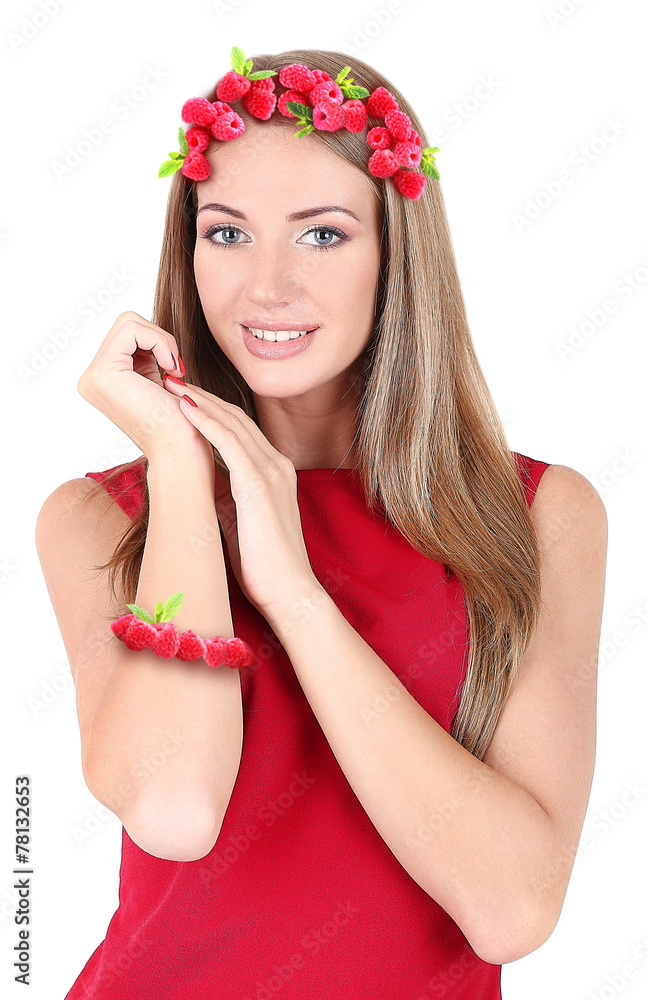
139 630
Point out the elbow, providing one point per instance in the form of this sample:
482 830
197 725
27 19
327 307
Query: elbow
174 830
516 938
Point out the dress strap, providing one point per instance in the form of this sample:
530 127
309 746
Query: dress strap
127 489
530 472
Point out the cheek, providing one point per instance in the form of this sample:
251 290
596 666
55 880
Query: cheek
217 271
208 277
198 269
356 288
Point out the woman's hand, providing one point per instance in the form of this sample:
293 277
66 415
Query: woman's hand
257 508
123 381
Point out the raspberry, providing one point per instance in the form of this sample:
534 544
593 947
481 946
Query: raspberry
407 154
140 634
228 126
239 653
409 183
383 163
325 89
320 76
259 101
414 137
121 625
297 77
381 102
265 83
198 111
197 138
227 652
221 108
398 124
291 95
215 652
191 646
166 641
196 166
232 86
329 115
356 116
379 138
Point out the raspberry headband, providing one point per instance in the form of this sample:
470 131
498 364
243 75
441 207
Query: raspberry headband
314 100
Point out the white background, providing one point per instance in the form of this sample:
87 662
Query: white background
556 80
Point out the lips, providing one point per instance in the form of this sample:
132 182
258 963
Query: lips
275 350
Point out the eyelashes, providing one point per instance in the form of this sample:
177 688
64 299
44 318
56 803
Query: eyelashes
228 226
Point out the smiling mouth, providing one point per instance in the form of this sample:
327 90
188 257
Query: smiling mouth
278 336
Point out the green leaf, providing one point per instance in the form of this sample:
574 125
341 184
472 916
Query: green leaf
172 606
427 162
158 611
262 74
302 110
429 168
184 146
303 131
348 88
175 156
141 613
237 59
169 167
248 66
355 92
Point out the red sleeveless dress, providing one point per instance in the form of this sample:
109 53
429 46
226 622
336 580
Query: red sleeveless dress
300 895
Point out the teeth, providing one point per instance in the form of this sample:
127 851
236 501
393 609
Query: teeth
278 335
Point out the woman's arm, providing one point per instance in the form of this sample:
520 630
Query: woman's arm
161 739
492 841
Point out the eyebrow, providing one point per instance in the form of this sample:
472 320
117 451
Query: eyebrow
305 213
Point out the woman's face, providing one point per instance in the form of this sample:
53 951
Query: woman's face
266 265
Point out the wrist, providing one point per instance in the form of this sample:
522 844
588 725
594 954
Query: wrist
187 460
296 606
185 483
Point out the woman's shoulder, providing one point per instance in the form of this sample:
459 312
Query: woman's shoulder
554 487
568 512
566 490
76 516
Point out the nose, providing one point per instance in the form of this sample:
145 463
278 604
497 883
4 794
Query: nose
278 274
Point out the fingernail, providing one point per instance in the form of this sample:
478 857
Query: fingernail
181 365
172 378
189 400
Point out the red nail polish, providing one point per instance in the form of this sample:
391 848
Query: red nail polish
172 378
181 365
189 400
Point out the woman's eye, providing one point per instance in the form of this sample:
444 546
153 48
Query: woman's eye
325 237
324 233
229 234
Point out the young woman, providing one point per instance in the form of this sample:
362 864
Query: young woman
387 802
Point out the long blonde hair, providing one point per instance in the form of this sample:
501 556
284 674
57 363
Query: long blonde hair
431 447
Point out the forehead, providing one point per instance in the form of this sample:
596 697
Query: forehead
273 167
